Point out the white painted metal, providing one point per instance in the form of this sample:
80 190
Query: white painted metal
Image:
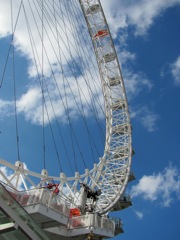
7 227
112 173
19 222
53 215
118 128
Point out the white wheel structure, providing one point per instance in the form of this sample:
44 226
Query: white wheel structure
113 171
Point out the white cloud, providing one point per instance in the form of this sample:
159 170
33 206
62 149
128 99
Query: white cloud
28 34
115 16
5 171
135 82
175 69
120 14
139 13
29 46
142 13
126 56
9 175
146 117
60 99
149 121
139 214
148 186
29 100
163 186
6 108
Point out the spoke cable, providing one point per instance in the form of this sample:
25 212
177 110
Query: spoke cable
77 67
40 82
14 83
11 44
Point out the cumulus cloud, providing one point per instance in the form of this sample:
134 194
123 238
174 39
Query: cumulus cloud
175 70
143 13
163 186
140 13
60 99
56 60
120 14
115 16
146 117
26 20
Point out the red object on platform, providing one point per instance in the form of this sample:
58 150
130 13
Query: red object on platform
74 212
101 33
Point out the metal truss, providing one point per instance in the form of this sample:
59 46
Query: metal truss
112 173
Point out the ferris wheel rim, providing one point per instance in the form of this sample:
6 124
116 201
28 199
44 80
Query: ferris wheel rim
90 11
99 176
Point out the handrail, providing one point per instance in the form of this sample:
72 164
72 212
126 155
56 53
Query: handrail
21 212
40 195
92 220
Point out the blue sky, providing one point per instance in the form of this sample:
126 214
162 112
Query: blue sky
146 35
150 38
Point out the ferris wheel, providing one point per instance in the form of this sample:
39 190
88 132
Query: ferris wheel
99 189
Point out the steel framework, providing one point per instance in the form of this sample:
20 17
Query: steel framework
112 173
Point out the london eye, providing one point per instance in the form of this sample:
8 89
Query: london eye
75 77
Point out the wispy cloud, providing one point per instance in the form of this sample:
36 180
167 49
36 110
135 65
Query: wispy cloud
149 121
175 70
126 56
163 186
135 82
139 214
146 117
6 108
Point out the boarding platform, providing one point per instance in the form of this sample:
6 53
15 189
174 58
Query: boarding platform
40 215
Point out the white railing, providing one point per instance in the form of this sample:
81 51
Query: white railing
59 204
91 220
43 196
47 198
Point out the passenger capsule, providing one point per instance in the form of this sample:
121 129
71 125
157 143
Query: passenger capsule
108 57
101 33
93 9
114 81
